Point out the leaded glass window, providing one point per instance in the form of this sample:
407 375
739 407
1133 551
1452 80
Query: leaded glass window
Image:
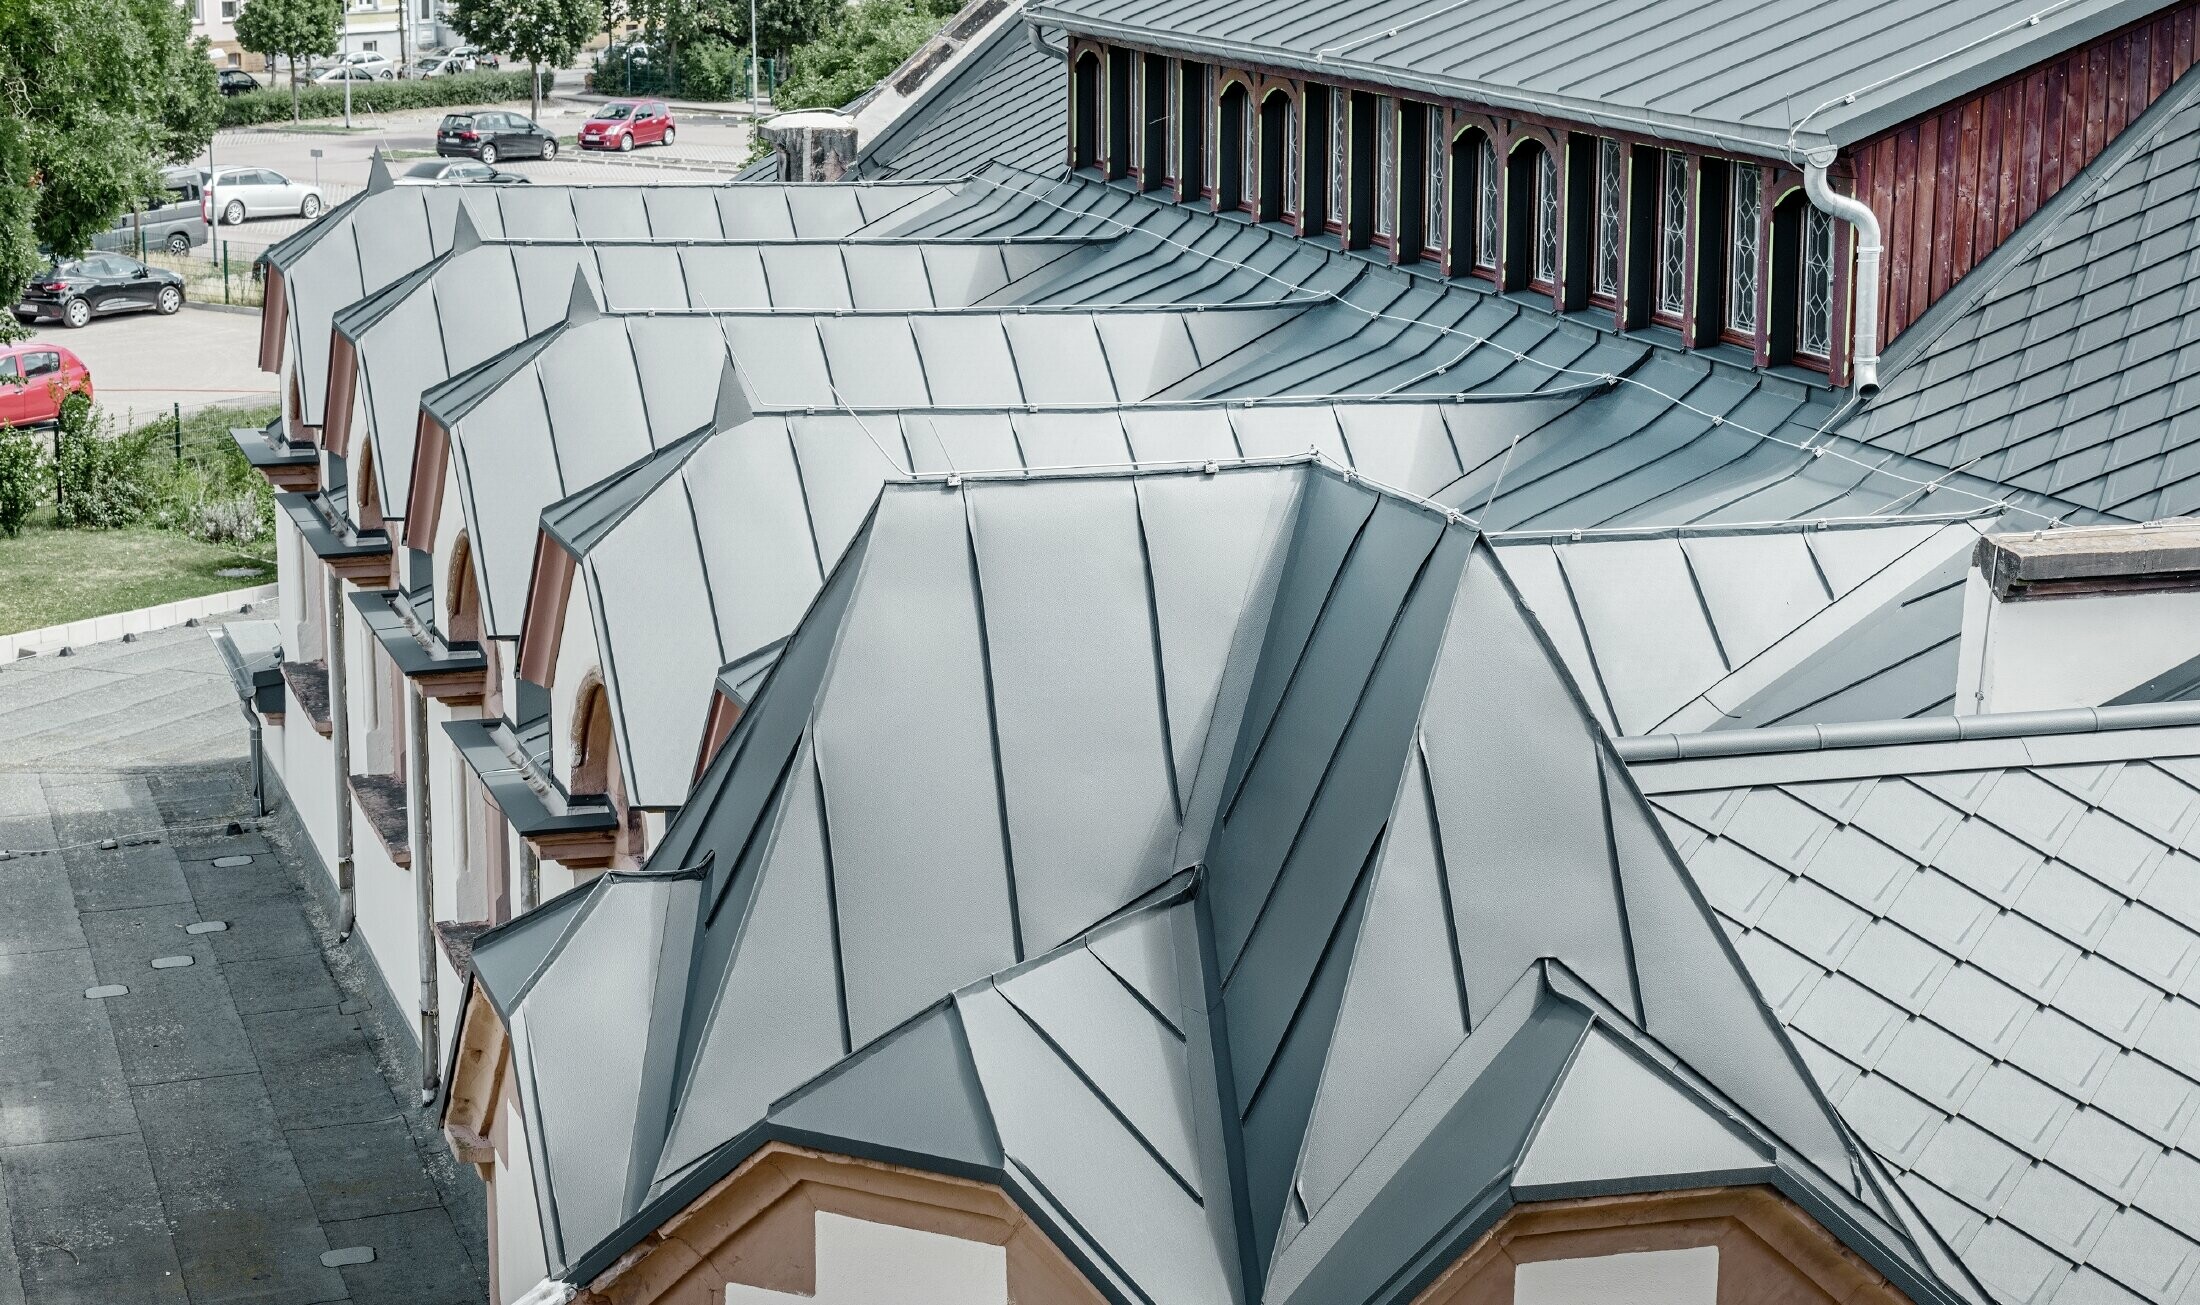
1488 207
1210 130
1386 165
1814 316
1340 152
1133 151
1546 217
1290 155
1439 194
1175 137
1248 152
1744 210
1611 210
1673 233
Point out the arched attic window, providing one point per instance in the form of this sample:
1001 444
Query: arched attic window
1476 208
1531 218
1084 111
1122 113
1234 180
1422 194
462 619
1800 298
1279 156
1157 151
596 770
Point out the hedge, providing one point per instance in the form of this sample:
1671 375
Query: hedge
379 97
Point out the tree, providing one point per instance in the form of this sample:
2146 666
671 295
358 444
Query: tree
861 47
538 31
94 96
292 29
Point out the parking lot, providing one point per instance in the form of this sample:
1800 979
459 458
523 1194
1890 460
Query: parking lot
145 365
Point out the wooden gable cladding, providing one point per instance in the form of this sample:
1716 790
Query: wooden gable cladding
1951 187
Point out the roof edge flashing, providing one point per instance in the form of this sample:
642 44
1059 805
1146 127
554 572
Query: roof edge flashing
1878 734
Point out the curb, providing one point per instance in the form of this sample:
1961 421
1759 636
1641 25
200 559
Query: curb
114 625
245 309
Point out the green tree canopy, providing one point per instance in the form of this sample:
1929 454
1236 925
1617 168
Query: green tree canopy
858 49
295 30
537 31
97 95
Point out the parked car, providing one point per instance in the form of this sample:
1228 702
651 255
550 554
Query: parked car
436 65
472 55
458 170
623 124
170 220
236 81
372 61
489 135
345 72
76 290
238 193
34 379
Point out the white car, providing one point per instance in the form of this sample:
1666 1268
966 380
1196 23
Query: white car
436 65
436 171
235 194
344 72
377 66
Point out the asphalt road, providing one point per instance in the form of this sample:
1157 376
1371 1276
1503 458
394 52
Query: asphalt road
144 365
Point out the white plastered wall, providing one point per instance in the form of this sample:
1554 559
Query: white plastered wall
2043 654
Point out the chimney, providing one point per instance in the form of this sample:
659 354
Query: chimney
2077 617
813 144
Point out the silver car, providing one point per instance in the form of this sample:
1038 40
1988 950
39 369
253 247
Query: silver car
238 193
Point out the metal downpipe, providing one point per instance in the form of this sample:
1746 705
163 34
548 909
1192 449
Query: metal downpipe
1864 331
423 855
339 720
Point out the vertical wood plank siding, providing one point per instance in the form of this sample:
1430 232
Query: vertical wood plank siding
1950 187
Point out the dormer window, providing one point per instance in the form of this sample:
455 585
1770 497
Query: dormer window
1531 218
1122 94
1157 150
1611 211
1436 189
1744 214
1340 158
1196 155
1546 222
1814 316
1084 120
1386 169
1672 252
1234 179
1488 208
1279 157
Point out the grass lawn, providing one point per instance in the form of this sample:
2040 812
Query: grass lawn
48 576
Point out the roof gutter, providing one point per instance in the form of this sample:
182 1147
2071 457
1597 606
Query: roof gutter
1864 351
1929 729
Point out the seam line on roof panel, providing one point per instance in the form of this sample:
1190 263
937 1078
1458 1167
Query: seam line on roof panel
993 727
702 563
1596 666
1135 994
1298 660
1619 883
624 742
1160 661
1818 568
924 265
1354 903
832 902
1084 1237
1015 370
766 818
809 512
1703 604
1069 1062
1443 886
1336 750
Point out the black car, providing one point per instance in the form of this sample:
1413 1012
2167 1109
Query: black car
490 135
236 81
76 290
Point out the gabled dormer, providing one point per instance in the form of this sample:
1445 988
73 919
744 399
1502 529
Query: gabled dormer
1685 170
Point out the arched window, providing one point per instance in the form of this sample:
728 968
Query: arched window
1084 111
462 622
1531 218
1279 157
1157 155
1234 186
1476 208
1122 95
596 769
1800 297
1194 99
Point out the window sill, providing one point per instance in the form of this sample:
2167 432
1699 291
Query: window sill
1661 333
1801 375
381 799
1728 351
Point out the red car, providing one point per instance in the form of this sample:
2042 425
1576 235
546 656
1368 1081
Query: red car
623 124
34 378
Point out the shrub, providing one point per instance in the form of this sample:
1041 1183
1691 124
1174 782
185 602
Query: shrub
255 107
206 489
712 69
232 520
862 46
104 479
23 477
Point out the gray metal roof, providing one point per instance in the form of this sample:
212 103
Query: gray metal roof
2069 362
1684 630
1220 862
1008 103
1985 950
1722 72
384 235
476 302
